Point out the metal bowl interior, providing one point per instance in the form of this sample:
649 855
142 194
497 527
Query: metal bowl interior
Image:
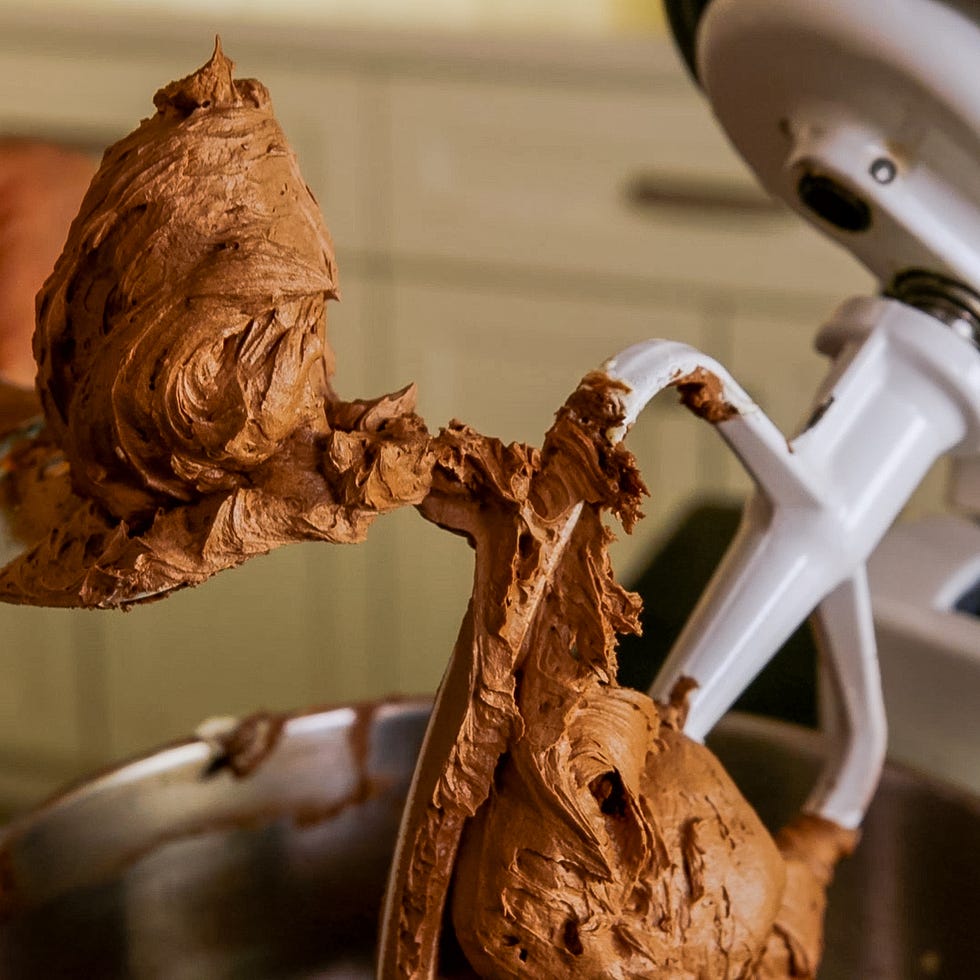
165 868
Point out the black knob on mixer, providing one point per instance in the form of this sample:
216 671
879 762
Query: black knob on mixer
834 202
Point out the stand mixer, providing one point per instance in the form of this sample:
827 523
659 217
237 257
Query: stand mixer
863 118
869 134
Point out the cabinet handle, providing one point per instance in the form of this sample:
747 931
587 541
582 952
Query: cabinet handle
655 192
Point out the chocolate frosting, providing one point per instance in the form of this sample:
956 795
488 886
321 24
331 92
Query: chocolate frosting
618 849
184 368
181 338
578 832
184 372
811 848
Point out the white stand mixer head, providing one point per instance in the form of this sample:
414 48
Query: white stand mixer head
863 116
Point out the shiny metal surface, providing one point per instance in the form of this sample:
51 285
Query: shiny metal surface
168 868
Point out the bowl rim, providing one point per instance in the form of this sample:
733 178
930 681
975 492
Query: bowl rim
197 752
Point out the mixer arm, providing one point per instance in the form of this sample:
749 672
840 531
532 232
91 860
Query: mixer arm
904 389
852 706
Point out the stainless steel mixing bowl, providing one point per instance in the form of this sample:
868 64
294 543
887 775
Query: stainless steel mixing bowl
169 867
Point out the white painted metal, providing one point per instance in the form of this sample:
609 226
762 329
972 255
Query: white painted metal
832 87
878 102
903 391
930 650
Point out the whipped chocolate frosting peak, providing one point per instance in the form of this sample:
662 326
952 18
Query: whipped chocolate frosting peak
181 338
184 369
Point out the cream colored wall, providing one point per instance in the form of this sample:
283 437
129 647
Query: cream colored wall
552 16
478 191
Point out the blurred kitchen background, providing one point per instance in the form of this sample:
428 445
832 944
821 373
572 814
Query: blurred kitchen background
517 189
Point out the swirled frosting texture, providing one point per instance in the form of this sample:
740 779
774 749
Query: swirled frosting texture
181 338
185 376
571 828
184 368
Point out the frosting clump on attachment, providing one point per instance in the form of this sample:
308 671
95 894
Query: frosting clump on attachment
184 367
181 338
565 822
